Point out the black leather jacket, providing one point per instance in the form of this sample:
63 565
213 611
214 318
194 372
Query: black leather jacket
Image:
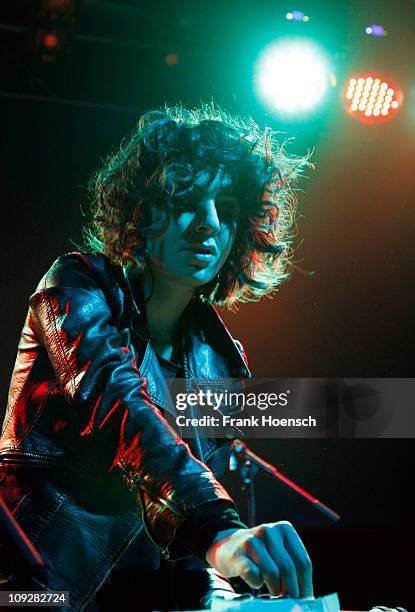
85 445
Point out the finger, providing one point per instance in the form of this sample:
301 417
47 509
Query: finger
288 573
250 573
301 559
258 553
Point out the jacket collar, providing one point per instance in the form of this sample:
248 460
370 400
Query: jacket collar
211 350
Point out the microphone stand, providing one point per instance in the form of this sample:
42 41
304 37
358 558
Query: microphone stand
250 463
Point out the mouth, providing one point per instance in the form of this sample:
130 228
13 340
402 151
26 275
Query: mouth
201 255
199 249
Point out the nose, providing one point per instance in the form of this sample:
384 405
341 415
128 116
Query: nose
207 219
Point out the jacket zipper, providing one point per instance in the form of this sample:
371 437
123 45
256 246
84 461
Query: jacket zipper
29 457
111 567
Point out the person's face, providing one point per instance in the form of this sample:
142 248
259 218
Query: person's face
198 238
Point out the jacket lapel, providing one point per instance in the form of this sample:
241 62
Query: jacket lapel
212 352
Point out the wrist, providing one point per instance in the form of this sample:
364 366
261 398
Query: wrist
219 537
199 530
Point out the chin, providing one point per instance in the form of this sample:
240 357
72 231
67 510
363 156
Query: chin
196 282
199 280
194 278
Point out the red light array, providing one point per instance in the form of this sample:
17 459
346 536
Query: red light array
372 97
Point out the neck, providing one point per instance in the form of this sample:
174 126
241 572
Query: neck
164 309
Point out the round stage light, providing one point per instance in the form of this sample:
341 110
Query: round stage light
291 77
374 99
50 41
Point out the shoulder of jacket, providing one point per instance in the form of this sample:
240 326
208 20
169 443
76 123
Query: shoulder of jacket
79 269
93 261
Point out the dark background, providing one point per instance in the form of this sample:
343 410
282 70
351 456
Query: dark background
347 310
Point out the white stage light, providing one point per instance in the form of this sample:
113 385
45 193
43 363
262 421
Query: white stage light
291 77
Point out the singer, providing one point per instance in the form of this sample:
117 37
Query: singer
194 210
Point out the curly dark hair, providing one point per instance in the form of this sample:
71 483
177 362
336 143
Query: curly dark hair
155 171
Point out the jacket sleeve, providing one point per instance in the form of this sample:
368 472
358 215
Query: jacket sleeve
94 363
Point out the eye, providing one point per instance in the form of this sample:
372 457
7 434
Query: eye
183 205
188 203
228 207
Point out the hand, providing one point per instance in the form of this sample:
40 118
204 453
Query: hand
271 554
